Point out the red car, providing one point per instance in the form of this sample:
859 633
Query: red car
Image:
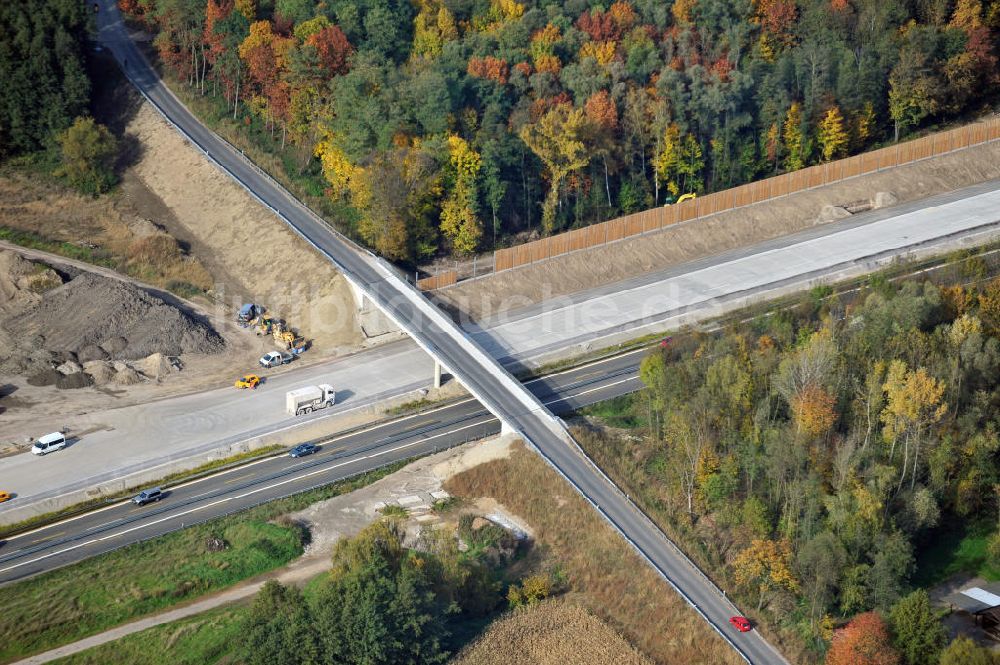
741 624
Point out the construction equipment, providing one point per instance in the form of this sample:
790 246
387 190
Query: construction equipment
684 197
247 381
286 338
264 325
309 399
248 314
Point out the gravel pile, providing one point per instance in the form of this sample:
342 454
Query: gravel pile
94 318
75 380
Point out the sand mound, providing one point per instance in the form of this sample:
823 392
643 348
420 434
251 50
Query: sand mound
127 377
156 365
100 371
22 282
92 315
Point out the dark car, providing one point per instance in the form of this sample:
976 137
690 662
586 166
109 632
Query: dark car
741 624
147 496
302 450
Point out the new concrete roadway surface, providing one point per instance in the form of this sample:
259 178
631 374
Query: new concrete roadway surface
340 457
516 408
502 395
150 437
700 289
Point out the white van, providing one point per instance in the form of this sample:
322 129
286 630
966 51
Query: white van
48 443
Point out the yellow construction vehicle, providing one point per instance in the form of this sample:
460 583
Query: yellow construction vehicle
264 325
683 197
286 337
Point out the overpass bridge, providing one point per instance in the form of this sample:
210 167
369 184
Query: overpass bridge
519 411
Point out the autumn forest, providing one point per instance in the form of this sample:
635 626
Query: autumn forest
448 126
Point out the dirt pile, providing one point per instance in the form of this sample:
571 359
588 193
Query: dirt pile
92 310
79 325
23 282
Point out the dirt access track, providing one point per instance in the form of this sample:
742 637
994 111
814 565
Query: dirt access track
586 269
229 244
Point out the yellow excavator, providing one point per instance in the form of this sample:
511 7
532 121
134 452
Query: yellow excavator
682 199
282 335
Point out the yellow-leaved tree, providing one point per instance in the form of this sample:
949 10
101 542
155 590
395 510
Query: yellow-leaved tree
794 140
913 403
557 139
833 136
343 176
433 27
459 221
766 565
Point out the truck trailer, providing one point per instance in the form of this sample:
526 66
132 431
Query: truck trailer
309 399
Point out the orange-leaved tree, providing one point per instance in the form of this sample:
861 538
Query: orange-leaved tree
863 641
813 410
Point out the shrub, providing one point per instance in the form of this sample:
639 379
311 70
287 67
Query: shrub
88 156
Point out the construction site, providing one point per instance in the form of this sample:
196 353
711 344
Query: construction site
114 301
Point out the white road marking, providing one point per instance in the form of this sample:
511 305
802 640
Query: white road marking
592 390
223 500
354 460
265 459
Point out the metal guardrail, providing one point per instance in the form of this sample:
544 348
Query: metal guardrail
635 546
367 292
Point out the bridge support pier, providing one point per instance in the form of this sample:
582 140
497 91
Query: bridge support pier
437 374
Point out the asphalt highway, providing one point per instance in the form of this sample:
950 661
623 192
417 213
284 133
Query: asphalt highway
340 457
517 408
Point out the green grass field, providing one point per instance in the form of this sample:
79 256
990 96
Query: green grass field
616 412
71 603
962 550
206 638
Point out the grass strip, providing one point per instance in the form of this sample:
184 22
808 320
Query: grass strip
70 603
205 638
32 240
172 479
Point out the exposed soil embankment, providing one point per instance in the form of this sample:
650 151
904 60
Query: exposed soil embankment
612 263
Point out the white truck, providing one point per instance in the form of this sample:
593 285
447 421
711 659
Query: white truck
309 399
